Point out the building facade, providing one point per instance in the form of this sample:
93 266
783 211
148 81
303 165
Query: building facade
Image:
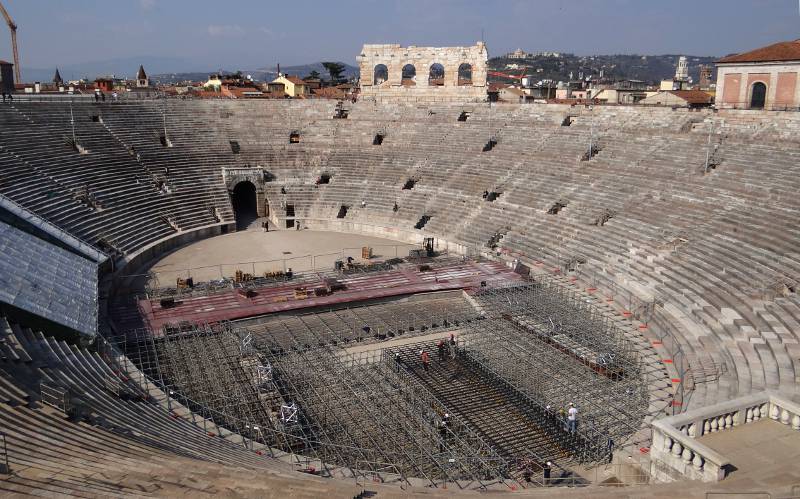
423 73
142 81
765 78
6 77
292 85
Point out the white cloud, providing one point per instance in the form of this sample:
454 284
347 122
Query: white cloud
147 4
230 30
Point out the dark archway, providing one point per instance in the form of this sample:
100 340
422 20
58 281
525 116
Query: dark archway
245 204
409 76
758 96
465 74
436 75
380 74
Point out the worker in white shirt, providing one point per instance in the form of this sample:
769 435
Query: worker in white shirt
572 418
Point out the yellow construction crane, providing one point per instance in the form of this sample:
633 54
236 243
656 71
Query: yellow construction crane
13 28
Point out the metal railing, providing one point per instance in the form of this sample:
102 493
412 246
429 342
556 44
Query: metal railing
5 467
664 335
56 396
300 265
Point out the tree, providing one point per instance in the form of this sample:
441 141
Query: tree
335 69
313 75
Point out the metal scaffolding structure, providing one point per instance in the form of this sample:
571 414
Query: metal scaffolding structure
213 371
420 314
300 394
367 417
546 343
527 350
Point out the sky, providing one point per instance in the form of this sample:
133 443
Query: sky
203 35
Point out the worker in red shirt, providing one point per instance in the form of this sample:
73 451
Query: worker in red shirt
426 359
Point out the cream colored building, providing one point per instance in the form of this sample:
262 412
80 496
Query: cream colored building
678 98
214 83
292 85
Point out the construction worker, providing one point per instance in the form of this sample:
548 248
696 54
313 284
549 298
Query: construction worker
426 359
546 472
452 345
397 361
440 349
443 424
572 418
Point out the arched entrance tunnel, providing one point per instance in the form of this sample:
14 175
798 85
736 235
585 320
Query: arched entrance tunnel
245 204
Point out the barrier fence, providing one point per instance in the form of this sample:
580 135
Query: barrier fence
165 276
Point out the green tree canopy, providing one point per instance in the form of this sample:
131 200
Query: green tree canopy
335 69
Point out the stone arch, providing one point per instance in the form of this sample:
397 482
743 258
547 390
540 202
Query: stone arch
380 74
258 177
244 198
465 74
758 95
408 76
436 75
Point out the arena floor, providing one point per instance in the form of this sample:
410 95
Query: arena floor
255 251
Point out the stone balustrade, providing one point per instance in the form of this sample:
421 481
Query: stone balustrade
675 454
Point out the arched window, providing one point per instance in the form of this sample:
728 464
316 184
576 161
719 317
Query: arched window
758 96
465 74
409 78
436 75
381 74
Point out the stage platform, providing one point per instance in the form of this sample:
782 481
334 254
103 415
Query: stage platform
231 305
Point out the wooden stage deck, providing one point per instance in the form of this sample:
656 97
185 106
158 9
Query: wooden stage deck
230 305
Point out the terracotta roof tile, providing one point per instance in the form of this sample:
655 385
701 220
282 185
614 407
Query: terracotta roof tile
328 93
781 51
693 96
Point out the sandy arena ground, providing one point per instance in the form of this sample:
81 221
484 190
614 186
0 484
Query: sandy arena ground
256 252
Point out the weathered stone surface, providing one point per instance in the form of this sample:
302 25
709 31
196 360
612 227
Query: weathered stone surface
395 57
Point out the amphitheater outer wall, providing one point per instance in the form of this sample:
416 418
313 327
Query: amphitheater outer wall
395 57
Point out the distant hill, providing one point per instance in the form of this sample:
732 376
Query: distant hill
123 68
649 68
304 69
164 70
260 74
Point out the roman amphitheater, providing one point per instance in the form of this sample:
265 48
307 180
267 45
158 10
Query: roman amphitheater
640 263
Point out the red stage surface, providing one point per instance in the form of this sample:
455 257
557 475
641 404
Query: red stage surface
229 305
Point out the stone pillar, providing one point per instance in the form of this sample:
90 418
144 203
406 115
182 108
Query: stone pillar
261 202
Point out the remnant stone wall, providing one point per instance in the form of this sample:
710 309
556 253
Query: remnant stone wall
449 89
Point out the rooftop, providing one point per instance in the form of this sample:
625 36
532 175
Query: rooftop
781 51
693 96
